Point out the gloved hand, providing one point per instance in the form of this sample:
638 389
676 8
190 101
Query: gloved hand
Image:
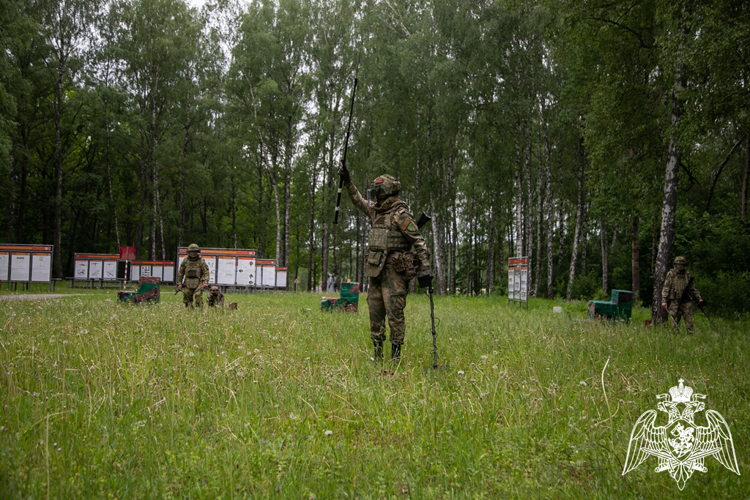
344 173
425 281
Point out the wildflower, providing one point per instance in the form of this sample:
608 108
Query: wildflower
460 372
328 433
583 383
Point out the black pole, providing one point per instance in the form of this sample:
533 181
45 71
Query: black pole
434 333
343 162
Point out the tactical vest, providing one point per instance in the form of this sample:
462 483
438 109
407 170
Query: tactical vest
193 272
382 238
679 282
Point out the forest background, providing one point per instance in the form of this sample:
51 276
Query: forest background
601 139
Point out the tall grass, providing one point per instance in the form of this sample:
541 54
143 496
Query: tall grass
279 400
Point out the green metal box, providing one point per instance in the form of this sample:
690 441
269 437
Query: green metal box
348 302
620 306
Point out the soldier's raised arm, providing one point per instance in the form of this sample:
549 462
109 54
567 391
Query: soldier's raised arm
353 192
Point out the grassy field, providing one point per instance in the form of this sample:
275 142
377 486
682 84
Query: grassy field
279 400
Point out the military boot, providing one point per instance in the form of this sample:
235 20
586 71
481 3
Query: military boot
378 355
396 352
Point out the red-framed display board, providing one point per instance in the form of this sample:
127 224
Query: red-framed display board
21 263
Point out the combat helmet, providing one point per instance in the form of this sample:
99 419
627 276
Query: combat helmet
193 248
385 185
680 260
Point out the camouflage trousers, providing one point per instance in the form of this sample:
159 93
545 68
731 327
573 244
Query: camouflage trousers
685 310
189 293
387 298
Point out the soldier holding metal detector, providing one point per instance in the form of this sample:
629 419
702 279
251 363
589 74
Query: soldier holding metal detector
195 273
678 293
390 263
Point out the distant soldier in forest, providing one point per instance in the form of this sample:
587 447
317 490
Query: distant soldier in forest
195 273
678 293
389 262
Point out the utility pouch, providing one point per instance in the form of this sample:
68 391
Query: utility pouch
398 262
375 262
411 265
192 273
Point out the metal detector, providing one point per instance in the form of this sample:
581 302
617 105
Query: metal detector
435 365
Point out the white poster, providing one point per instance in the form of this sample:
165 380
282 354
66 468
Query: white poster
4 261
157 271
135 273
95 270
168 274
511 283
110 270
225 275
145 271
245 271
268 275
82 270
211 261
40 266
281 278
20 265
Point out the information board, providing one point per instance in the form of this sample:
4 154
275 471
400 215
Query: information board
245 271
96 269
281 277
518 280
226 271
20 267
109 270
21 262
4 265
266 270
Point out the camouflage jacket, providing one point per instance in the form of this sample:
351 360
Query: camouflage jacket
195 272
400 219
674 285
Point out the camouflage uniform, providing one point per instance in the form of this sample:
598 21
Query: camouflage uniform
674 285
196 274
389 263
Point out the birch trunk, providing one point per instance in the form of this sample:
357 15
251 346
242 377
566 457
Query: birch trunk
58 104
437 253
518 196
635 256
154 182
491 252
579 221
549 211
745 179
605 253
183 176
107 161
669 204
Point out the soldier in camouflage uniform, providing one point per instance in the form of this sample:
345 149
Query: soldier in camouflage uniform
195 272
389 262
674 285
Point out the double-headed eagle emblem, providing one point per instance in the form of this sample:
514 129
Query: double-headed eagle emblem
681 445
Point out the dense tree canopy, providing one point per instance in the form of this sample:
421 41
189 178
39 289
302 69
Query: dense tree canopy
601 140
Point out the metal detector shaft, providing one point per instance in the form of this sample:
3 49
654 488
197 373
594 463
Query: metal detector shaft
343 161
707 317
434 333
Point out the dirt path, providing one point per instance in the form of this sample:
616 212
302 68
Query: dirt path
38 296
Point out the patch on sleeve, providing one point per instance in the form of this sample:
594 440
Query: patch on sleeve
408 225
